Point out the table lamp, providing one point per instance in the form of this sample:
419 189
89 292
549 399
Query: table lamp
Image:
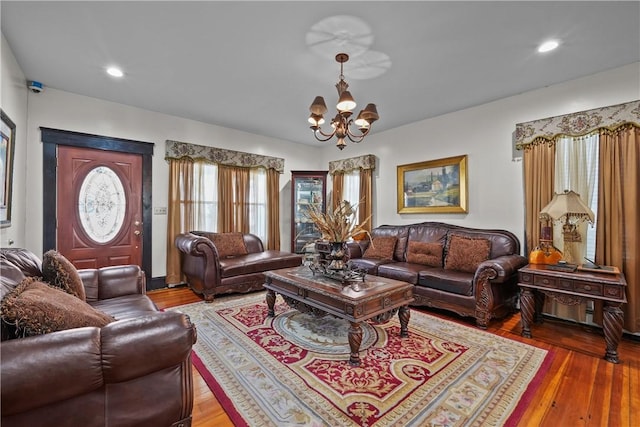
568 208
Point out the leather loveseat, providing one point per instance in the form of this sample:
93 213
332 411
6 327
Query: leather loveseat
135 371
221 263
472 272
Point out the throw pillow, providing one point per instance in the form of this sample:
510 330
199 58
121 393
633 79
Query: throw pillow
466 254
59 272
381 248
426 253
229 244
36 308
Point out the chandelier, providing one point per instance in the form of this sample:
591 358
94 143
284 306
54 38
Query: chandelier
342 122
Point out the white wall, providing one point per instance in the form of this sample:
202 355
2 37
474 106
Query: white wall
13 99
485 134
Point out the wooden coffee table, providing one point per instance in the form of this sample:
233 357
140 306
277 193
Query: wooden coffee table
376 298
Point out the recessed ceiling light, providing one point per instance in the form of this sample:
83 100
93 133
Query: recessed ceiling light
548 46
115 72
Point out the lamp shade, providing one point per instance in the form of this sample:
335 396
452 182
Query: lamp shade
570 204
318 107
346 102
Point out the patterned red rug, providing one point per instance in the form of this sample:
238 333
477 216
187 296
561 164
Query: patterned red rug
292 370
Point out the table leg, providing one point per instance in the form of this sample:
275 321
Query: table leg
527 309
404 315
355 339
271 302
612 325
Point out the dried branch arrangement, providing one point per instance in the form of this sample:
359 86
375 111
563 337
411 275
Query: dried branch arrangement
339 225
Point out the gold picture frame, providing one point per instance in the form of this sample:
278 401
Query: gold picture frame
7 149
435 186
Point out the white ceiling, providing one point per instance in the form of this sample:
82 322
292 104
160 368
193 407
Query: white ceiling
256 66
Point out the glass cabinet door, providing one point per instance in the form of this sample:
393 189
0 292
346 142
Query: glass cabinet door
308 188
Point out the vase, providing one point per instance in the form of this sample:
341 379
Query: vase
336 255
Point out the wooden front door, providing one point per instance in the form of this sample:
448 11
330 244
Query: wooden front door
99 207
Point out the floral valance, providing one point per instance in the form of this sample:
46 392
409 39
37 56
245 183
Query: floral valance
367 161
181 150
577 124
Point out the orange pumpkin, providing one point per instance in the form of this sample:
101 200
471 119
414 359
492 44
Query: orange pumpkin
549 255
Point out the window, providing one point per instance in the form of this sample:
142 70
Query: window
577 170
258 203
204 202
351 187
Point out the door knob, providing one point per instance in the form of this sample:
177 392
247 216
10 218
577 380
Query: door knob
137 223
137 232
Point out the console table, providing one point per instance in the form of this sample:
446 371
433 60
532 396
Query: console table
571 288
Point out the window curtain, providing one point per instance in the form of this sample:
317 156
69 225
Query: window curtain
233 194
337 192
618 228
273 210
366 164
366 199
178 214
618 222
539 166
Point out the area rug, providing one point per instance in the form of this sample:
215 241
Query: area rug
293 370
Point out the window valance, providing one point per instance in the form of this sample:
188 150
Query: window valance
181 150
577 124
368 161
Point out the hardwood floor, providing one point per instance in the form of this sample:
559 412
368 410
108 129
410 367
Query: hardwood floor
580 388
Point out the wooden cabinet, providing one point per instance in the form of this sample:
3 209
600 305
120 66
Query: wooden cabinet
308 188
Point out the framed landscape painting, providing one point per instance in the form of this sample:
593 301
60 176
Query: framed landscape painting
8 130
435 186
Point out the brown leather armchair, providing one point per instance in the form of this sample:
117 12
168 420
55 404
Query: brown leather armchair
135 371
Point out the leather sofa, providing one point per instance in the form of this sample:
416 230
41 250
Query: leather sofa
135 371
485 291
210 270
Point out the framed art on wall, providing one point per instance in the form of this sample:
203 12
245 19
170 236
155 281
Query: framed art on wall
434 186
7 147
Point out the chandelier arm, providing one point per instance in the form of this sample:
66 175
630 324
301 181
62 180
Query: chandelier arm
327 136
353 137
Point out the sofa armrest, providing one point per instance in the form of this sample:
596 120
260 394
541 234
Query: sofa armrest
503 267
354 250
200 262
111 282
133 348
43 369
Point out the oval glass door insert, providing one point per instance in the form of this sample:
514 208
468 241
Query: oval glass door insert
102 204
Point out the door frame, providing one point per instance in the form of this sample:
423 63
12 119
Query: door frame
51 138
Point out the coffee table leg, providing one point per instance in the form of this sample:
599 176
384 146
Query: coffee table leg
271 302
404 315
355 339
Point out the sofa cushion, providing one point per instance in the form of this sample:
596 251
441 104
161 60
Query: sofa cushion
258 262
381 248
455 282
425 253
403 271
229 244
59 272
36 308
126 306
466 254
